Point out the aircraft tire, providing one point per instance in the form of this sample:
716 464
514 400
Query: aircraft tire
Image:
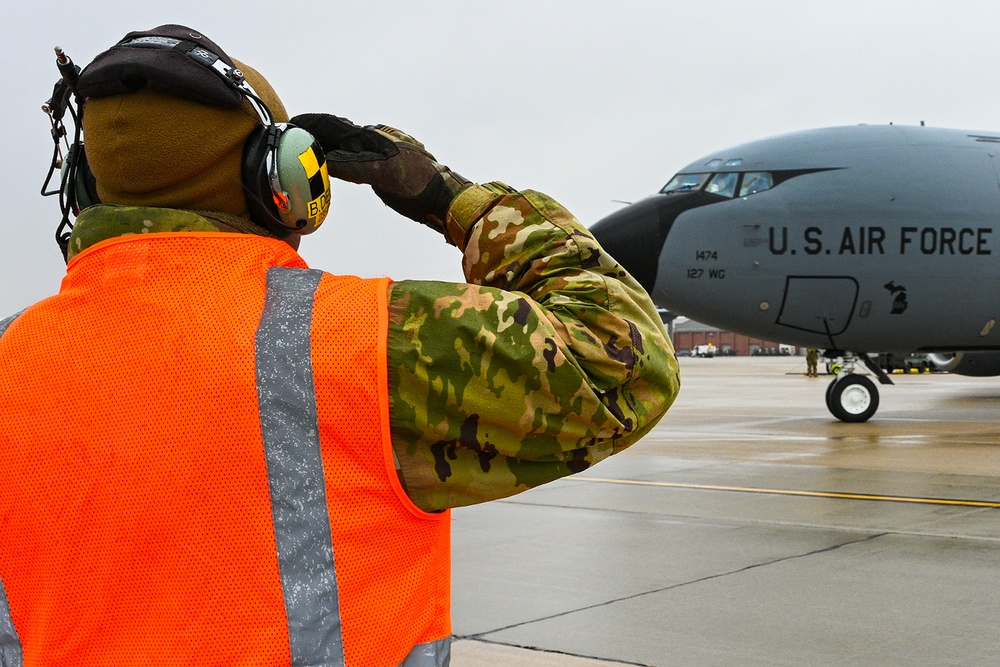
852 398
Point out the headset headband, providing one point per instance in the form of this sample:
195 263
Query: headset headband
172 59
231 75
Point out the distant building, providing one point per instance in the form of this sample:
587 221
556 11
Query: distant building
688 335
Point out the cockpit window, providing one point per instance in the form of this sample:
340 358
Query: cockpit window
756 181
723 184
685 183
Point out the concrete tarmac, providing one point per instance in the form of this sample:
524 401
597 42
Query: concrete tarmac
752 528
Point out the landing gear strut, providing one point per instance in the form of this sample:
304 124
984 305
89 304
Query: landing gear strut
852 397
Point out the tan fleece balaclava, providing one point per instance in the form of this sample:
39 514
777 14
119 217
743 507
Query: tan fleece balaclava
149 148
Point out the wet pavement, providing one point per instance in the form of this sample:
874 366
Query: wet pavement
752 528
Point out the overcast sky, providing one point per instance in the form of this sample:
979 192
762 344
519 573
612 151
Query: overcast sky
589 101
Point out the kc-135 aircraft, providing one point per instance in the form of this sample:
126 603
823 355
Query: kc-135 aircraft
857 240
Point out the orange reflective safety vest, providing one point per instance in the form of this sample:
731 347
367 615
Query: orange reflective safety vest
195 468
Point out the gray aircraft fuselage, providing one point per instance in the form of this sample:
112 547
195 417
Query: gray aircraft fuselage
864 238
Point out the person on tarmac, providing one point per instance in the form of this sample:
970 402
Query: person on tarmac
213 454
812 359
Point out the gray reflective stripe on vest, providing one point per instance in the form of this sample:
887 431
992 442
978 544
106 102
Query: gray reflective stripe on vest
287 402
434 654
3 327
10 645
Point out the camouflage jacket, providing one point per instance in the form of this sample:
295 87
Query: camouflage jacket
548 360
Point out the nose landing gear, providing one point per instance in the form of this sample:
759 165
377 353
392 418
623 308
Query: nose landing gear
852 397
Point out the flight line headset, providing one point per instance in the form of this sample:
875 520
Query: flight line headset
283 171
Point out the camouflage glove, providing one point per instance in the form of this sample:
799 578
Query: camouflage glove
400 170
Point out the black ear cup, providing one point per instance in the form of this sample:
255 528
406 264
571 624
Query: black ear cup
257 182
285 179
79 188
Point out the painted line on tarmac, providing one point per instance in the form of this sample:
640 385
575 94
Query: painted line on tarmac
789 492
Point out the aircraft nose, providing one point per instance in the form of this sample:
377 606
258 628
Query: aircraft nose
635 234
632 236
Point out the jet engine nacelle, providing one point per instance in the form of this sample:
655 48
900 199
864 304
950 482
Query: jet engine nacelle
976 364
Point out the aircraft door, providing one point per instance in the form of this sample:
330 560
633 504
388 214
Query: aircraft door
819 304
993 163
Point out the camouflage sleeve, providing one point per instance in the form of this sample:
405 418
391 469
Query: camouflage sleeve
551 359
